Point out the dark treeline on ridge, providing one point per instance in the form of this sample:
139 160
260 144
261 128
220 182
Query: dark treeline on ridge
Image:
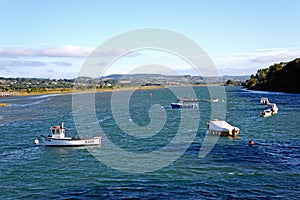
282 77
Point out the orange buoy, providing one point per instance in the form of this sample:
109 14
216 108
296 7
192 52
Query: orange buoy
251 143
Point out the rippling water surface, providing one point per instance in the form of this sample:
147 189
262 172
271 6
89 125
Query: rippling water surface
269 169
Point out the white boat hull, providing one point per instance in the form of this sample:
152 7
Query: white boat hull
49 141
266 113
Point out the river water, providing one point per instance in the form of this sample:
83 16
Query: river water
231 170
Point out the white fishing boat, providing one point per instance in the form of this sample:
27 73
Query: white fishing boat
58 138
222 128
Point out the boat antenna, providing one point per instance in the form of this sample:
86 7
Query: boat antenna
62 122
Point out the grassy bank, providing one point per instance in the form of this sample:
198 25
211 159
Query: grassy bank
71 90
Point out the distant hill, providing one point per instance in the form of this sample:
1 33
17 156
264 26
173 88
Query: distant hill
282 77
174 77
142 76
235 78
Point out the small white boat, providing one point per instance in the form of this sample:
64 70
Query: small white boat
58 138
270 110
222 128
264 101
273 107
211 100
266 113
187 100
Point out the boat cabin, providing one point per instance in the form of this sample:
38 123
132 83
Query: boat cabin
58 132
273 107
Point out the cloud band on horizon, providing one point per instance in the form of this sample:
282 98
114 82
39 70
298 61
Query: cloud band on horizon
68 58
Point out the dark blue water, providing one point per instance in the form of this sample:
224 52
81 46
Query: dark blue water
232 170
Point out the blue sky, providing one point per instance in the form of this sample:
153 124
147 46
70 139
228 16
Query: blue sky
52 39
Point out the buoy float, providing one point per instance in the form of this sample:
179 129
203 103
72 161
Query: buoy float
251 143
36 142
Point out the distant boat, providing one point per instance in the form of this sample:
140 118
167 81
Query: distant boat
3 104
182 105
273 107
264 101
222 128
188 100
270 110
266 113
185 103
211 100
58 138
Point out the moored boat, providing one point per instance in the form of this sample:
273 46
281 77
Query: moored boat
266 113
273 107
188 100
185 103
222 128
58 138
264 101
270 110
211 100
182 105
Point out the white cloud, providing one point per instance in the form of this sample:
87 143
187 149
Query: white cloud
58 51
62 61
66 61
245 63
68 51
274 55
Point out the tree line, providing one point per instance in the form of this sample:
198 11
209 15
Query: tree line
282 77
